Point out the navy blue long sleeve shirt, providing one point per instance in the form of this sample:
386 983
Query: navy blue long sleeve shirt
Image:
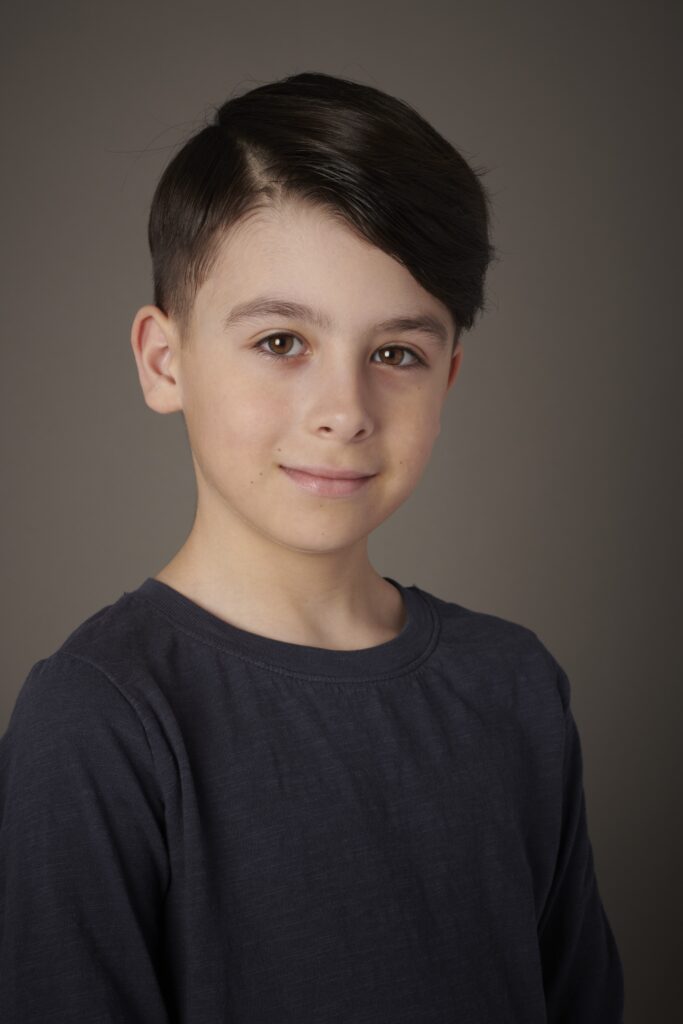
199 824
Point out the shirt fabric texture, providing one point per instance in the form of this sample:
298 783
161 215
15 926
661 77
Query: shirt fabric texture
200 824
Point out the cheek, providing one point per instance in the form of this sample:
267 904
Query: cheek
241 415
418 432
258 420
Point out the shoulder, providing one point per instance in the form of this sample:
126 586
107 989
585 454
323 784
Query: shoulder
66 706
472 626
76 745
89 696
111 636
504 655
118 649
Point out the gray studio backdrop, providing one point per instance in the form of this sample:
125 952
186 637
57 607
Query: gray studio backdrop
553 495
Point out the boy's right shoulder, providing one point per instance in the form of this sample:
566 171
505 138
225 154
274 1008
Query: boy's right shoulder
112 634
102 662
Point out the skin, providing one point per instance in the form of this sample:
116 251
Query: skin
262 553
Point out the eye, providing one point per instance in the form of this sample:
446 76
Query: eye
401 349
274 337
283 351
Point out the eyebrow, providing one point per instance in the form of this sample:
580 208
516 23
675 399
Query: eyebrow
266 305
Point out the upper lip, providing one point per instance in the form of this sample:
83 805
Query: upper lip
332 474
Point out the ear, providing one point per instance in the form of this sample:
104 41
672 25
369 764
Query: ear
456 360
155 343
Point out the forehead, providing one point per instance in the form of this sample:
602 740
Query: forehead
280 241
310 256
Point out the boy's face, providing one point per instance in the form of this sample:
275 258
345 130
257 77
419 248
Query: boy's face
343 396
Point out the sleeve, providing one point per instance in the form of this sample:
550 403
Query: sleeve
83 861
582 970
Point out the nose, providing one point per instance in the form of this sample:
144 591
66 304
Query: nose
339 400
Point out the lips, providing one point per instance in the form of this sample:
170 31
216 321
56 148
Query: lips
326 486
328 473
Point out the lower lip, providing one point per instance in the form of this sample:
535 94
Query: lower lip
325 485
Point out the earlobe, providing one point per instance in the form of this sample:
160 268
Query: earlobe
154 345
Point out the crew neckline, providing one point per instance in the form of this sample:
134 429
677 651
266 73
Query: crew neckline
403 653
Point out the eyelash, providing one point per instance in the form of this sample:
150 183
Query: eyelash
288 334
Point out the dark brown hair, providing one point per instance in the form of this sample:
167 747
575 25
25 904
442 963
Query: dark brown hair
366 157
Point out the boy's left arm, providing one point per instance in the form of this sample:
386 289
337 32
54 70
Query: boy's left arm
582 970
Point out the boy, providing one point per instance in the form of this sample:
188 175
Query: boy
269 784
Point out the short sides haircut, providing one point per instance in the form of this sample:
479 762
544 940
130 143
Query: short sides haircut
365 157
